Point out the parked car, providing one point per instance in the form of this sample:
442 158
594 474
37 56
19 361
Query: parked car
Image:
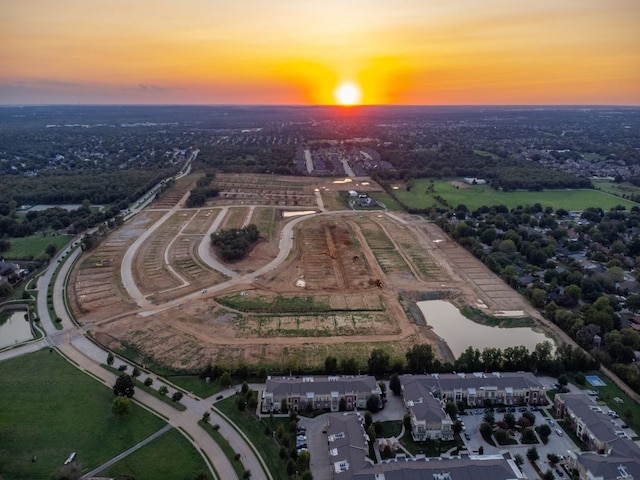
559 432
467 436
219 397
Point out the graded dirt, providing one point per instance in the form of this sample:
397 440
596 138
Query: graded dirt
341 282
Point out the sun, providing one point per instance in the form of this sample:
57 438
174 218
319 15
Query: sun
347 93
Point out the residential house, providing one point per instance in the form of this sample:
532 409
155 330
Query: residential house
429 421
483 389
319 392
613 455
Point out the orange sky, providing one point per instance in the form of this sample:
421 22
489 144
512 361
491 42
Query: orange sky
297 51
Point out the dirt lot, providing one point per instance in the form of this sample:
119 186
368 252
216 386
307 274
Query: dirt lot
337 292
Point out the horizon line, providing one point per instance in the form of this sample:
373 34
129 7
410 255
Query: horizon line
302 105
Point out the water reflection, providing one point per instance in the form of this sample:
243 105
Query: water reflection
459 332
15 329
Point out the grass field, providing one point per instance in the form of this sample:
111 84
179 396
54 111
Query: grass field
223 443
195 384
34 245
169 456
253 429
619 189
479 195
50 409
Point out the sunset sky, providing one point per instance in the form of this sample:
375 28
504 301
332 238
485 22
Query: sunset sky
446 52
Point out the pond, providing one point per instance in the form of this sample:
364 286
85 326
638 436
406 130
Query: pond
459 332
14 328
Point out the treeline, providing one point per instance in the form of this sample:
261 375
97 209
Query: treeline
235 243
198 196
449 161
421 359
57 188
56 218
278 159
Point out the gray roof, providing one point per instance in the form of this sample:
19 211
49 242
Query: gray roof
321 385
494 467
445 382
422 403
623 451
347 439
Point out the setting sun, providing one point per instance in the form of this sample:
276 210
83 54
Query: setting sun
347 93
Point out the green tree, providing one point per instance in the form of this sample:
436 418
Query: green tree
395 385
303 461
486 429
532 454
368 419
371 431
373 403
331 365
420 358
136 372
163 390
51 250
225 379
124 386
177 396
110 359
148 382
519 461
206 417
120 406
378 362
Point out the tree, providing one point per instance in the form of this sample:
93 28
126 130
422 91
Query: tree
378 362
206 416
110 359
395 385
163 390
373 403
532 454
529 436
383 389
548 475
51 250
368 419
486 429
420 358
124 386
451 410
331 365
177 396
518 460
553 459
225 379
120 406
371 432
543 430
303 460
136 372
148 382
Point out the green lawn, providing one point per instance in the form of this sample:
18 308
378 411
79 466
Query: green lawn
607 394
252 428
223 443
34 245
169 456
391 428
431 448
50 409
479 195
622 188
195 384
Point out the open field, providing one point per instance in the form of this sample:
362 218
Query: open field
33 246
169 456
41 417
619 189
337 291
479 195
